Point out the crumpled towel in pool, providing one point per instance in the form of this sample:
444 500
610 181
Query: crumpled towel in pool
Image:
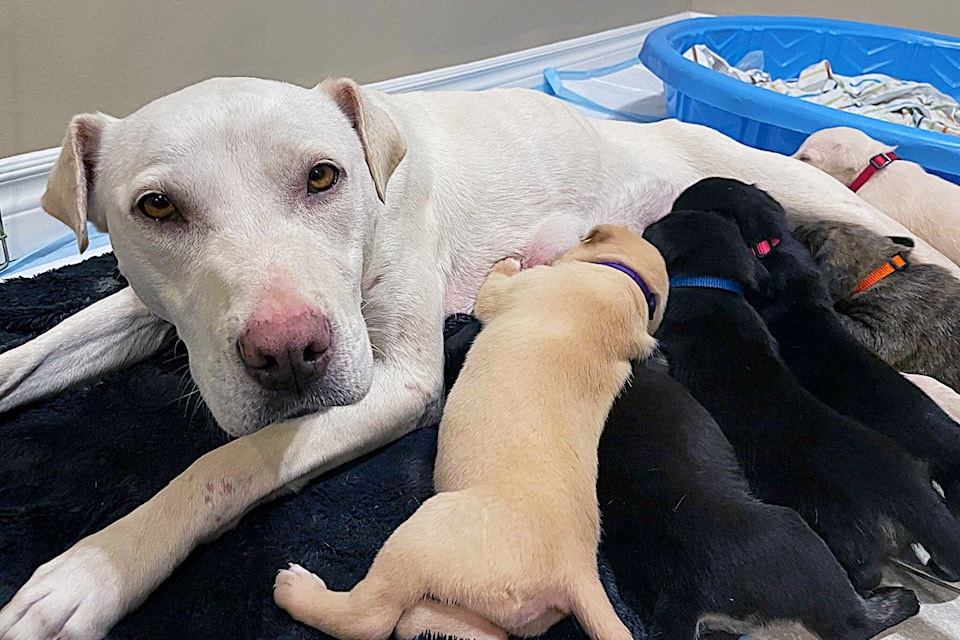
914 104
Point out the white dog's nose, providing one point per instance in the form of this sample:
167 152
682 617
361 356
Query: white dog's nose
286 351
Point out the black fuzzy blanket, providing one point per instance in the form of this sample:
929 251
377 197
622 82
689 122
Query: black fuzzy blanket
74 464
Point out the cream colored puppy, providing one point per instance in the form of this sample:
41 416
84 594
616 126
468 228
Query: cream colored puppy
925 204
509 543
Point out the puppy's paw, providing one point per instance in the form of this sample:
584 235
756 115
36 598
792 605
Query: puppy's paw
507 267
295 587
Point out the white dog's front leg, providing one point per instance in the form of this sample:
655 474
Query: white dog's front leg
82 593
106 336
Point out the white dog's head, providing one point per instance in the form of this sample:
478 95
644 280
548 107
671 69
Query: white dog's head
841 152
242 211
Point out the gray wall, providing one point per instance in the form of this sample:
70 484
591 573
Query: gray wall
939 16
58 58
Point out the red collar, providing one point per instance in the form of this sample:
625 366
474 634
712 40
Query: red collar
877 162
894 264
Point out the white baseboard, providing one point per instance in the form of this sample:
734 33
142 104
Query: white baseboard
23 177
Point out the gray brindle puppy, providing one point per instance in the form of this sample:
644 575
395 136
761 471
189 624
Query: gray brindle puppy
910 318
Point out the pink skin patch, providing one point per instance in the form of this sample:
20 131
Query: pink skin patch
540 254
550 241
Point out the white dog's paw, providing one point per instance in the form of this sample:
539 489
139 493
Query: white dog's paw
507 267
14 369
295 587
75 596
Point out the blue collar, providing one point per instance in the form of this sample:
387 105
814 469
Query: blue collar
706 282
651 299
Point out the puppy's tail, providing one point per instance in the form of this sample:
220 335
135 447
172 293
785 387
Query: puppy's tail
889 606
596 614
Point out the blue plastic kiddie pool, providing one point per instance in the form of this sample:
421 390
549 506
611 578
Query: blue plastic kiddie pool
769 120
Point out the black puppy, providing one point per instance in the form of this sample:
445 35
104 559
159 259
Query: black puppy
852 485
796 304
683 534
686 539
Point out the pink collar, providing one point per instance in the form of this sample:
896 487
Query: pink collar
764 247
877 162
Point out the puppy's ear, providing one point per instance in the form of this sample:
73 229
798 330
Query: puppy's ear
67 196
755 276
383 146
810 156
598 233
903 241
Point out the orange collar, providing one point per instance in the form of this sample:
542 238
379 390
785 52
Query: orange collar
896 263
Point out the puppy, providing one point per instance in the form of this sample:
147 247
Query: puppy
687 539
828 361
909 317
508 545
676 510
859 491
927 205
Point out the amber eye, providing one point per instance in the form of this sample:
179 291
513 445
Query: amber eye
158 207
322 177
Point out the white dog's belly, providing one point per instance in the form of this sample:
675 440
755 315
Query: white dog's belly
634 202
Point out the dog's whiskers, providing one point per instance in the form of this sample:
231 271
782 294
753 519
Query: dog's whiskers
196 407
677 506
182 386
175 355
187 395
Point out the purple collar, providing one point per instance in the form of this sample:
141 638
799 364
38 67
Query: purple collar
651 300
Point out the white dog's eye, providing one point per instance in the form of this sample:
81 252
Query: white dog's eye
158 207
322 177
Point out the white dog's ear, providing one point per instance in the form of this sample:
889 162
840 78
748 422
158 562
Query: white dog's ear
383 145
67 194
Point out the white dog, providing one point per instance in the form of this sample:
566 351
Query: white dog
927 205
305 245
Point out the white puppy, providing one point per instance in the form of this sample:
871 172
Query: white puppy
305 245
925 204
